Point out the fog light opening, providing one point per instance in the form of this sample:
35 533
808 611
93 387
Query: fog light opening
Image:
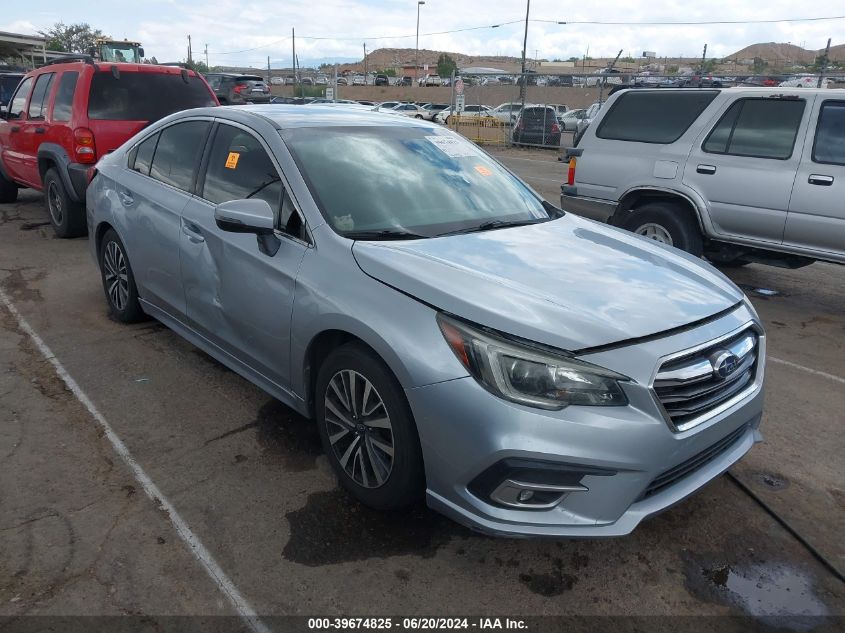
532 496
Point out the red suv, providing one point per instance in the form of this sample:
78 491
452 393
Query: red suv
67 114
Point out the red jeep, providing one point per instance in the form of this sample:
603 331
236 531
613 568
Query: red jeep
67 114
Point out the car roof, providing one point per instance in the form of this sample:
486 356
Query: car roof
285 116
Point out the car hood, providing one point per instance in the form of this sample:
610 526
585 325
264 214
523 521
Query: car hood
570 283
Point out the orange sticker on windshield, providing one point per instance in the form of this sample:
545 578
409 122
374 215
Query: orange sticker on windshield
232 160
484 171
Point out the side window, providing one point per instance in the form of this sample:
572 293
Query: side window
758 128
239 168
64 96
178 153
18 102
40 96
141 157
829 146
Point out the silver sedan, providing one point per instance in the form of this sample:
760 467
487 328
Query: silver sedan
452 335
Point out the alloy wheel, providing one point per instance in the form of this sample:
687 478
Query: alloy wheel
655 232
359 429
116 275
54 203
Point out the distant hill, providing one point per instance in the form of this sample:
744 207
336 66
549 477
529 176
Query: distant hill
774 52
397 57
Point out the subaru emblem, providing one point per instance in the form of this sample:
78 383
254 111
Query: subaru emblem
724 363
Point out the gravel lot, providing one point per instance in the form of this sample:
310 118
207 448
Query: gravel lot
244 478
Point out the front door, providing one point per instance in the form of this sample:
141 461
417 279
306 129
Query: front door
239 297
745 165
11 137
816 217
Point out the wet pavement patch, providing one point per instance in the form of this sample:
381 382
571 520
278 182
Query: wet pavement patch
333 528
780 594
287 436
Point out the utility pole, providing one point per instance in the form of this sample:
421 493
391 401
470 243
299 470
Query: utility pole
603 79
190 56
268 70
206 57
293 57
703 60
366 69
824 64
522 84
417 47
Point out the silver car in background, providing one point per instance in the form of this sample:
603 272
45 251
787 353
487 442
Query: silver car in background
453 336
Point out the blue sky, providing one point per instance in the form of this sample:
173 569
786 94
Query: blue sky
230 28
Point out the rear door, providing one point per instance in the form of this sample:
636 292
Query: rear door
745 162
239 297
816 217
34 129
153 192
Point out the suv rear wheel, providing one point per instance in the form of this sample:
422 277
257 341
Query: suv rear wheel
66 216
8 190
667 223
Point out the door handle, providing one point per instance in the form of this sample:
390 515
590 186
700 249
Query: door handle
193 233
40 130
126 198
16 128
818 179
706 169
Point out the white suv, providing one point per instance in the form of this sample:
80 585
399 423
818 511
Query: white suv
739 175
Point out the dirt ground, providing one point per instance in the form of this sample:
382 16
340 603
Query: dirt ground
244 477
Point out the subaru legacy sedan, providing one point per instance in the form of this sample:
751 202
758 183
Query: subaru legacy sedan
452 335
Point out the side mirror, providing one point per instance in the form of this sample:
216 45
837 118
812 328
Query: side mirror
250 216
245 216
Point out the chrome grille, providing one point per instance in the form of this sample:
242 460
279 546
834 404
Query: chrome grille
693 385
673 475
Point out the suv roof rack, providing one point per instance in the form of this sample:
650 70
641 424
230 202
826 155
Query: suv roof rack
74 57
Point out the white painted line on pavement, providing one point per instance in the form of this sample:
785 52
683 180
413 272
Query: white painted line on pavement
815 372
217 575
529 160
557 181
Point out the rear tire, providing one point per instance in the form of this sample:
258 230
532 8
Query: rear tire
8 190
373 448
66 215
118 280
667 223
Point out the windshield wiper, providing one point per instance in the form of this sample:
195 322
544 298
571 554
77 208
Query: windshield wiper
385 234
493 224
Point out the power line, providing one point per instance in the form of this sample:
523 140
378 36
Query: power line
542 21
693 23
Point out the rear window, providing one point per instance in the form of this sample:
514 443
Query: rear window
141 96
653 117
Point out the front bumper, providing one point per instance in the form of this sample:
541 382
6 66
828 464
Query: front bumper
616 451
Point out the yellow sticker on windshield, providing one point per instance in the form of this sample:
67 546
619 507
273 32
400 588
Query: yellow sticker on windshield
484 171
232 160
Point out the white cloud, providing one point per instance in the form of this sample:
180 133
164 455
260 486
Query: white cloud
229 26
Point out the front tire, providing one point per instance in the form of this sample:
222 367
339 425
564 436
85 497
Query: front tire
667 223
367 429
118 280
66 215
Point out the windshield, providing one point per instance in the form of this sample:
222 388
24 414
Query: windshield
142 96
413 179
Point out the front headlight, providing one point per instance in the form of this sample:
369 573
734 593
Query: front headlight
529 375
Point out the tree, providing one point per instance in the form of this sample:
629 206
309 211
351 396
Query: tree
198 66
819 63
390 72
759 65
446 65
72 38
